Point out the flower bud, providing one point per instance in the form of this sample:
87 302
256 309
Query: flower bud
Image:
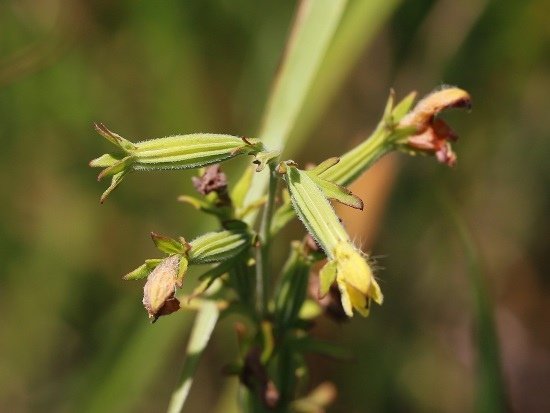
346 264
173 152
159 290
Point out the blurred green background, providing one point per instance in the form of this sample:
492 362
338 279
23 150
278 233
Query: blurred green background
74 336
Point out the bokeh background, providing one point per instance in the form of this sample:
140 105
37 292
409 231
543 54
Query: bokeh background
74 336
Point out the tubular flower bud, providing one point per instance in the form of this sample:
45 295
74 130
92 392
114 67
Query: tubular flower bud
173 152
347 266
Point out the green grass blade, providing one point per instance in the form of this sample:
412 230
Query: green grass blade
490 396
200 335
316 21
127 375
314 27
360 23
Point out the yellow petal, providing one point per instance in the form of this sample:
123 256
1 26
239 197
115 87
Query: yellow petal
353 267
375 293
345 298
358 300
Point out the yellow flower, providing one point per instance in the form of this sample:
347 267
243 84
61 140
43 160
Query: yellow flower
355 280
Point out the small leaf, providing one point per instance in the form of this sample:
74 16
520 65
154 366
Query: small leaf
323 166
182 269
253 206
167 244
337 192
115 181
140 272
327 276
282 216
194 202
119 166
103 161
153 262
242 186
268 341
114 138
389 106
204 206
403 107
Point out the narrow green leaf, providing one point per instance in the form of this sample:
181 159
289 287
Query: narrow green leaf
140 272
203 327
282 216
359 25
403 107
182 268
103 161
314 26
323 166
490 388
242 186
115 168
327 276
388 109
167 244
114 138
115 181
292 290
337 192
153 262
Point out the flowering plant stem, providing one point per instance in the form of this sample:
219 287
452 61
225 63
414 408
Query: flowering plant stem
279 310
262 258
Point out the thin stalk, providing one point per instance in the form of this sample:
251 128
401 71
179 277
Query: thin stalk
353 163
200 335
262 256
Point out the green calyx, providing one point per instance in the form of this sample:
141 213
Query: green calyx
173 152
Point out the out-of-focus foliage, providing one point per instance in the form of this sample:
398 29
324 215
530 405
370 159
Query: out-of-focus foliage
73 336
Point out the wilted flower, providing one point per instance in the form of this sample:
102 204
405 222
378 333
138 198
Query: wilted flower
165 276
434 136
159 290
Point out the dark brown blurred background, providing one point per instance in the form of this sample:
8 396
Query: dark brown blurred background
73 335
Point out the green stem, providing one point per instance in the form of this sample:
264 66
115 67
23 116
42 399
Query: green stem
200 335
353 163
262 256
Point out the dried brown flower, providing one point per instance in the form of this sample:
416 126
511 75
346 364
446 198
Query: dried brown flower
159 290
433 135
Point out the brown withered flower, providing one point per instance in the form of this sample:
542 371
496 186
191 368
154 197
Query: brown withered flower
433 135
159 290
